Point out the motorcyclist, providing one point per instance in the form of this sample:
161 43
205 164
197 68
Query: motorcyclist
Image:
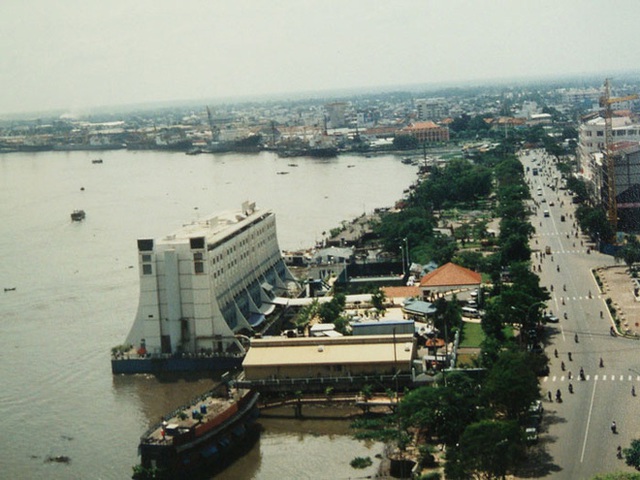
581 373
575 337
601 363
557 268
571 388
614 427
569 355
558 396
562 366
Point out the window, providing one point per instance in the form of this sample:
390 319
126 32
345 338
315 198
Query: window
600 133
589 133
147 264
198 267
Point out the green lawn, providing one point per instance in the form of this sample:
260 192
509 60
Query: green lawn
472 335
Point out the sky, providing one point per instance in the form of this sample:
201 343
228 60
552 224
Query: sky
74 54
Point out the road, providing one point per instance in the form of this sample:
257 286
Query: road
576 441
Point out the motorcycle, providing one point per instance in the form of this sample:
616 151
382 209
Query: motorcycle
614 427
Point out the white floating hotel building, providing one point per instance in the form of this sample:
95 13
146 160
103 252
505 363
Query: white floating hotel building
204 286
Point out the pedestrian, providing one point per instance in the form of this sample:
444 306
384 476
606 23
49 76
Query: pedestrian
549 394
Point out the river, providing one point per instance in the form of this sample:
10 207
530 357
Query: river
76 294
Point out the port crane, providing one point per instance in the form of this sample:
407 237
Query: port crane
606 102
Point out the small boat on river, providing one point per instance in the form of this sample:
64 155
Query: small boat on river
77 215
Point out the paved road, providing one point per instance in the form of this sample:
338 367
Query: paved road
576 441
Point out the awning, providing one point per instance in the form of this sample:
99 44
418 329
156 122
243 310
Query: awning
256 319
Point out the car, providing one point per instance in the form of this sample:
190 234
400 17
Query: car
551 203
531 435
544 200
551 319
536 407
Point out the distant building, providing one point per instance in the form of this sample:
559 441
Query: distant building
626 157
591 145
337 113
428 132
576 96
431 108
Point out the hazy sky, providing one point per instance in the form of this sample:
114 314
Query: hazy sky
70 54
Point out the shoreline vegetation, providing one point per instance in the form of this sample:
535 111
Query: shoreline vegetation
456 428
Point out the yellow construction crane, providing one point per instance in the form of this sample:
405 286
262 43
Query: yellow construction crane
605 102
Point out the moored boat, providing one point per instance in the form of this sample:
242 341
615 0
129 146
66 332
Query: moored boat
77 215
201 434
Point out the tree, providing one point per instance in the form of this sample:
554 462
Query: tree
511 385
629 252
377 299
632 454
405 142
448 315
594 222
488 449
442 412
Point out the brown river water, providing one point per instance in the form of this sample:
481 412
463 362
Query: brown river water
76 294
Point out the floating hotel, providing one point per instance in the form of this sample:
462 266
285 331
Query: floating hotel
202 290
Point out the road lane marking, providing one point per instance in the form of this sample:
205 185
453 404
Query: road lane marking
586 431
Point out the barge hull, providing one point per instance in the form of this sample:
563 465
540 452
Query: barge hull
160 365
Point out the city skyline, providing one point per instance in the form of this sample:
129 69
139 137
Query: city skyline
73 55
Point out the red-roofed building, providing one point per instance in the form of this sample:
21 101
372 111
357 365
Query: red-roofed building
447 278
426 132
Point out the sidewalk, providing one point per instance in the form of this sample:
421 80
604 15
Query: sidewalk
617 284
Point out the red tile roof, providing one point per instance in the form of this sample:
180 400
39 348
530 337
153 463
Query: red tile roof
402 292
450 274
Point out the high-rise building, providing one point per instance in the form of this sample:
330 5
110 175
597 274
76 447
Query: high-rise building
207 282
